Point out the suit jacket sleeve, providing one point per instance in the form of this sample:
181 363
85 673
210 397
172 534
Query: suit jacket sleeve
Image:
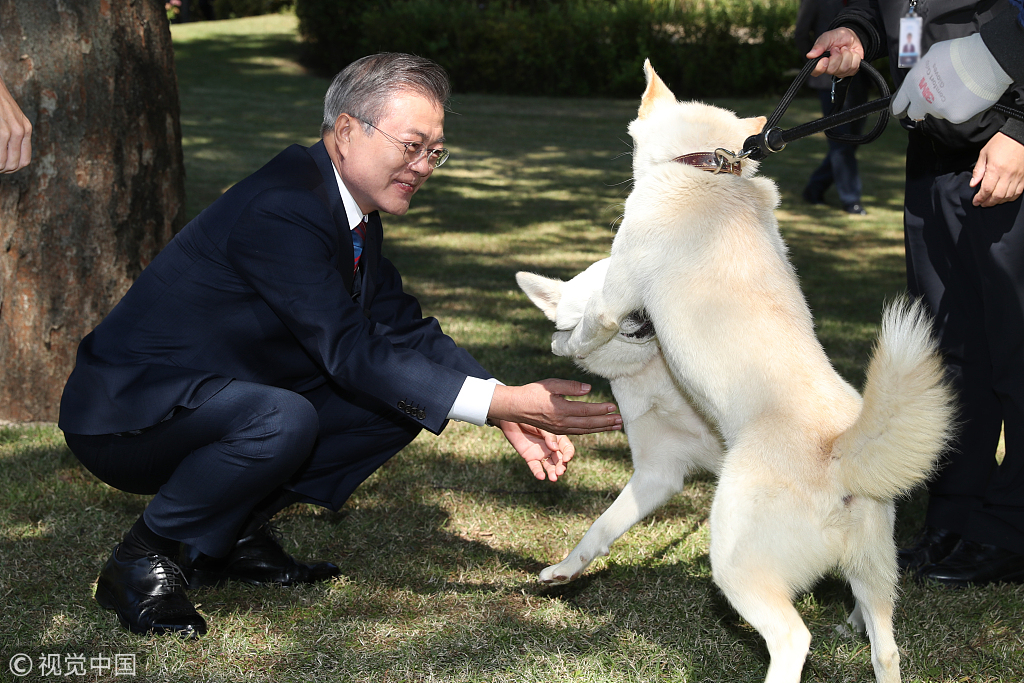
285 245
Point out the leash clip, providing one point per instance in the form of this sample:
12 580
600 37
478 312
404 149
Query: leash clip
725 156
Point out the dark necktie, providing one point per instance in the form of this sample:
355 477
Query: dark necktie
358 237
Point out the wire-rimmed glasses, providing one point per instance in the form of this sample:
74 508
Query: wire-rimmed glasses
414 151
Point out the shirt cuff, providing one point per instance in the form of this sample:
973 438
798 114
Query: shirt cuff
474 401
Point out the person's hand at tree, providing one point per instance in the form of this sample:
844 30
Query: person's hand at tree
15 134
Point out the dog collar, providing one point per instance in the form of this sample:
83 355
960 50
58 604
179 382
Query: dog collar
712 162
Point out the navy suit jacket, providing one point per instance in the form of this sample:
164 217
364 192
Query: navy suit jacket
259 287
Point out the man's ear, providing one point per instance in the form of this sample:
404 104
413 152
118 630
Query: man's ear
343 128
544 292
656 93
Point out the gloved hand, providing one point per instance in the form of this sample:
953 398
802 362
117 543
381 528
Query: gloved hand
954 80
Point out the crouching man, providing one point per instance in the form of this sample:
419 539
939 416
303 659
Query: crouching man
270 356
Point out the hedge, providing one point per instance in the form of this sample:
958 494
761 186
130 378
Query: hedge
708 48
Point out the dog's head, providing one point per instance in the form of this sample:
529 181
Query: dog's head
665 129
563 303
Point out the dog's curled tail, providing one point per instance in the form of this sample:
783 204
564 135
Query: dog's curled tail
908 414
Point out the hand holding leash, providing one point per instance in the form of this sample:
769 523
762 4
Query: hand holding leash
955 80
842 52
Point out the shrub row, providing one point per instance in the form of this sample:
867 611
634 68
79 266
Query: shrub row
227 9
702 48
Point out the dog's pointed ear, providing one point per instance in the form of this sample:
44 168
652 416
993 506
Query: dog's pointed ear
545 292
656 92
756 124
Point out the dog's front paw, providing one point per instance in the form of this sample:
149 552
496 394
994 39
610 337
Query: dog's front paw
562 345
555 575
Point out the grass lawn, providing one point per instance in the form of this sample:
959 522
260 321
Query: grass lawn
439 550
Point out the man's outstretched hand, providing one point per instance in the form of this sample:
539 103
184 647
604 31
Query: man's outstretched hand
543 405
534 416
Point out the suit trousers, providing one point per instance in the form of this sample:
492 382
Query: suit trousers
967 263
210 466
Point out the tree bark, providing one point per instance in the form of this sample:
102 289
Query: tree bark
105 189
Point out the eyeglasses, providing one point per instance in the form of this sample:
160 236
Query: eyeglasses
414 151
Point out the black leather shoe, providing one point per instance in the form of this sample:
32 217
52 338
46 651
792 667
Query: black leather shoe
856 209
148 595
931 545
975 564
257 559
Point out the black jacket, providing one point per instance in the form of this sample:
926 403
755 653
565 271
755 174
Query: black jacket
939 142
259 287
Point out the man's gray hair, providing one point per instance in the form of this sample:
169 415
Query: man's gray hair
365 87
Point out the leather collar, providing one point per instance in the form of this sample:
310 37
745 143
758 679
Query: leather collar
712 162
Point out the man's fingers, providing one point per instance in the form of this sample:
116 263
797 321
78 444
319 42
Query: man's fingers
588 425
565 387
537 469
585 408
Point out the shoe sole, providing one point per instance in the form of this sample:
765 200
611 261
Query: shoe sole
1015 577
106 601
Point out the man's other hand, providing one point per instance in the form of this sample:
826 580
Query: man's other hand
546 454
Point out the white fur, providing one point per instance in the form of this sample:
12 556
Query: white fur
737 383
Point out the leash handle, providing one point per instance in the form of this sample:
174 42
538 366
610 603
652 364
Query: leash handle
773 139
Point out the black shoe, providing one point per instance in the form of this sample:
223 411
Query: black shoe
813 196
931 545
856 209
257 559
975 564
148 595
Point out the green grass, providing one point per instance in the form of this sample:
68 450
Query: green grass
439 550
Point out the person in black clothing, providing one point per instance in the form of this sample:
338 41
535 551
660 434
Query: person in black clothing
964 234
840 163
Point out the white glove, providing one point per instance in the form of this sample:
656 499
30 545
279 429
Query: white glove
954 80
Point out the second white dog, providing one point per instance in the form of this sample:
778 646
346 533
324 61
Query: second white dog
807 469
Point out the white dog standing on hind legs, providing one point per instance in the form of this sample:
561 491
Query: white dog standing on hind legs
807 469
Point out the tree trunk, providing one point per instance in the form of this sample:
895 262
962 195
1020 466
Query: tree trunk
105 189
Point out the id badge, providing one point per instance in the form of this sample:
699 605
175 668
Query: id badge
910 39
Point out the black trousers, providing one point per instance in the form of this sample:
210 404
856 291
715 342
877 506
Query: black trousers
209 467
968 264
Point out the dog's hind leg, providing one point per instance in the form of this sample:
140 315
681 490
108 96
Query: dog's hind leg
646 491
875 607
766 605
872 573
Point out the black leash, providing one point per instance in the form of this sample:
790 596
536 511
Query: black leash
773 139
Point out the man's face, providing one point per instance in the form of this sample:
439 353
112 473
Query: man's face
373 167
